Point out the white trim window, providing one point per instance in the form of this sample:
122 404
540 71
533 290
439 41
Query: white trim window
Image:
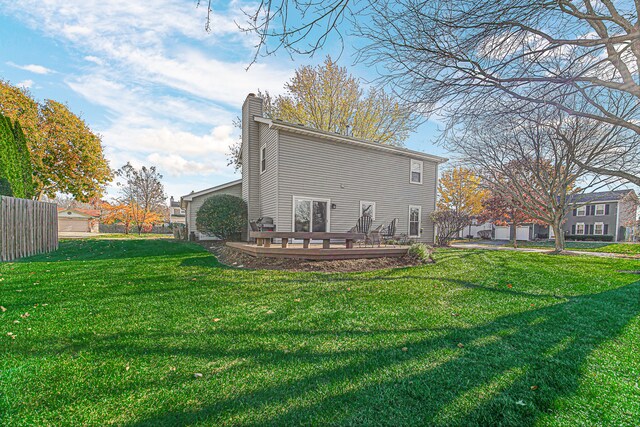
600 209
417 169
263 158
368 208
581 211
598 228
580 228
415 217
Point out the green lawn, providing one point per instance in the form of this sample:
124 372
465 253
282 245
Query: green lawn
116 330
606 247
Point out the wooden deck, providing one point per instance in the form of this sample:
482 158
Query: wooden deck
317 252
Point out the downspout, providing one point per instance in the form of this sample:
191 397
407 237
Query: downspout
617 219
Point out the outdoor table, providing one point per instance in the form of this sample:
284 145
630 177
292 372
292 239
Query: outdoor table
265 237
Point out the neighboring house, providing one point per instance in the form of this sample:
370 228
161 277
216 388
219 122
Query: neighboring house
78 220
604 213
312 180
610 213
502 232
176 212
192 202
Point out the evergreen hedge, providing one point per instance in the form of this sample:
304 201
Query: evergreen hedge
16 175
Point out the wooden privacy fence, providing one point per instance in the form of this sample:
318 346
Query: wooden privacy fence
27 227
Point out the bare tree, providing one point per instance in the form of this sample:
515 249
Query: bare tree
143 193
581 57
527 159
449 223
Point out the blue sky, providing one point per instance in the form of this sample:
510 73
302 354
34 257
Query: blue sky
148 77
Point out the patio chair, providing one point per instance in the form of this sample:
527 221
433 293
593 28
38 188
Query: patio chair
254 226
389 233
363 226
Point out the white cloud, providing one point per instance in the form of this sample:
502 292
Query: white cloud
177 165
169 90
25 84
33 68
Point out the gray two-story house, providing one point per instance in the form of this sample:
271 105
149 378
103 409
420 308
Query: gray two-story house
312 180
604 213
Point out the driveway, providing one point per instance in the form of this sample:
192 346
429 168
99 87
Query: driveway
76 235
495 245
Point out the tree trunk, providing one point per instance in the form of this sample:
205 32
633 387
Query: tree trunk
558 234
514 231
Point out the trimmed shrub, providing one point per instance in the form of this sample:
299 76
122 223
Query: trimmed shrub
223 216
421 252
590 237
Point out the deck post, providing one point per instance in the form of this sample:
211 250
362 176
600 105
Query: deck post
326 243
349 244
305 243
267 243
259 242
284 242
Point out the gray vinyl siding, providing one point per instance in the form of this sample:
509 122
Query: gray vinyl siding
196 203
269 178
347 174
592 219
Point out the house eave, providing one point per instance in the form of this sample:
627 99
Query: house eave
303 130
189 197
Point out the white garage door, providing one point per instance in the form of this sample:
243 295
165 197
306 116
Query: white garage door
522 233
502 233
73 224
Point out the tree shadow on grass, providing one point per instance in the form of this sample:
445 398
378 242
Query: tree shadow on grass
96 250
510 372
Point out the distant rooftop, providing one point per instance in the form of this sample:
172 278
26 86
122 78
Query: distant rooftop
600 196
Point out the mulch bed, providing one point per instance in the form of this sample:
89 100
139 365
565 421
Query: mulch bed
234 258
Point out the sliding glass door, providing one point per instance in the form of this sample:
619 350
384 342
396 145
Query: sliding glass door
310 214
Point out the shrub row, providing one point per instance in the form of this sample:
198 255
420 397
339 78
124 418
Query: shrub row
590 237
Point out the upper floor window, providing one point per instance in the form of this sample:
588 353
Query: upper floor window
600 209
368 208
416 171
263 158
580 228
581 211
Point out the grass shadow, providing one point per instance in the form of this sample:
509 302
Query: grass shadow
512 369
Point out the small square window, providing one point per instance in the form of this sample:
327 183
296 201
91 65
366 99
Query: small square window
600 209
368 208
416 171
581 211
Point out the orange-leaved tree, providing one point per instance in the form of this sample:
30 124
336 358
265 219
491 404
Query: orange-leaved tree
461 190
66 155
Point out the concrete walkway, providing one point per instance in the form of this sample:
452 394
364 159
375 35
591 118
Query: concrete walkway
493 247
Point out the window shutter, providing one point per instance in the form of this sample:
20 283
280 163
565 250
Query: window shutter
573 227
591 230
593 209
605 229
606 209
575 212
